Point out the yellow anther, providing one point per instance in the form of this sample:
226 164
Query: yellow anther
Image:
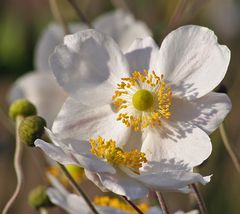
148 94
116 203
108 151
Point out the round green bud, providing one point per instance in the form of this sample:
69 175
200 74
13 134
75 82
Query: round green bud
30 129
21 107
38 198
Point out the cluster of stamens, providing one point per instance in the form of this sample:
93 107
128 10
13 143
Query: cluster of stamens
108 151
129 93
116 203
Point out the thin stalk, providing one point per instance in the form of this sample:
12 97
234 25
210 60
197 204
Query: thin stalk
17 167
228 147
121 4
78 188
132 204
43 211
79 12
162 203
58 15
199 198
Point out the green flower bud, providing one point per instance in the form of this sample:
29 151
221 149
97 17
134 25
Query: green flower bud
30 129
38 198
21 107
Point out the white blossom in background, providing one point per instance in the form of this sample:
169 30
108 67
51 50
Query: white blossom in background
155 100
124 172
40 86
72 203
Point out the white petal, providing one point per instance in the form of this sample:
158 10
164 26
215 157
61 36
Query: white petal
169 176
143 54
69 202
193 61
189 212
89 65
66 157
122 184
95 179
122 27
207 112
180 142
82 122
154 210
50 38
40 88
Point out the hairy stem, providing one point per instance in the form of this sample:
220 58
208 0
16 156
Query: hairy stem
121 4
228 147
17 167
132 205
58 16
199 198
162 203
79 12
78 188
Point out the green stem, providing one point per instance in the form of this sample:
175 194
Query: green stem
58 16
78 188
199 198
17 167
79 12
162 203
132 205
228 147
121 4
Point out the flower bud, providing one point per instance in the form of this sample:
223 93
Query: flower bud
30 129
38 198
21 107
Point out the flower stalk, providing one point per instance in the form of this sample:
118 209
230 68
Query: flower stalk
162 202
228 147
77 188
58 16
17 167
79 12
132 204
199 198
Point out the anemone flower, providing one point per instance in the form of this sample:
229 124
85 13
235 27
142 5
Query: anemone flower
156 100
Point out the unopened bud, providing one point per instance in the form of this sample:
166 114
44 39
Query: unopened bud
30 129
21 107
38 198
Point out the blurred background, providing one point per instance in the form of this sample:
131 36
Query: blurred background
21 24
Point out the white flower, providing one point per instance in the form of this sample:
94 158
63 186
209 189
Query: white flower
158 101
40 86
124 172
72 203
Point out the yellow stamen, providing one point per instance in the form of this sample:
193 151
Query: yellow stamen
152 100
108 151
116 203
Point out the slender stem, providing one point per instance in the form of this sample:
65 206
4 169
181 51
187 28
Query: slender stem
199 198
79 12
132 204
228 147
162 203
17 167
78 188
58 15
122 4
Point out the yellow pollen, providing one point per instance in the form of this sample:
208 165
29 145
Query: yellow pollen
116 203
148 94
108 151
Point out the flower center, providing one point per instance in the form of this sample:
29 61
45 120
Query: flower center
116 203
108 151
142 100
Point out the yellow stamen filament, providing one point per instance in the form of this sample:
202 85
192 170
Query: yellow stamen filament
116 203
148 114
108 151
